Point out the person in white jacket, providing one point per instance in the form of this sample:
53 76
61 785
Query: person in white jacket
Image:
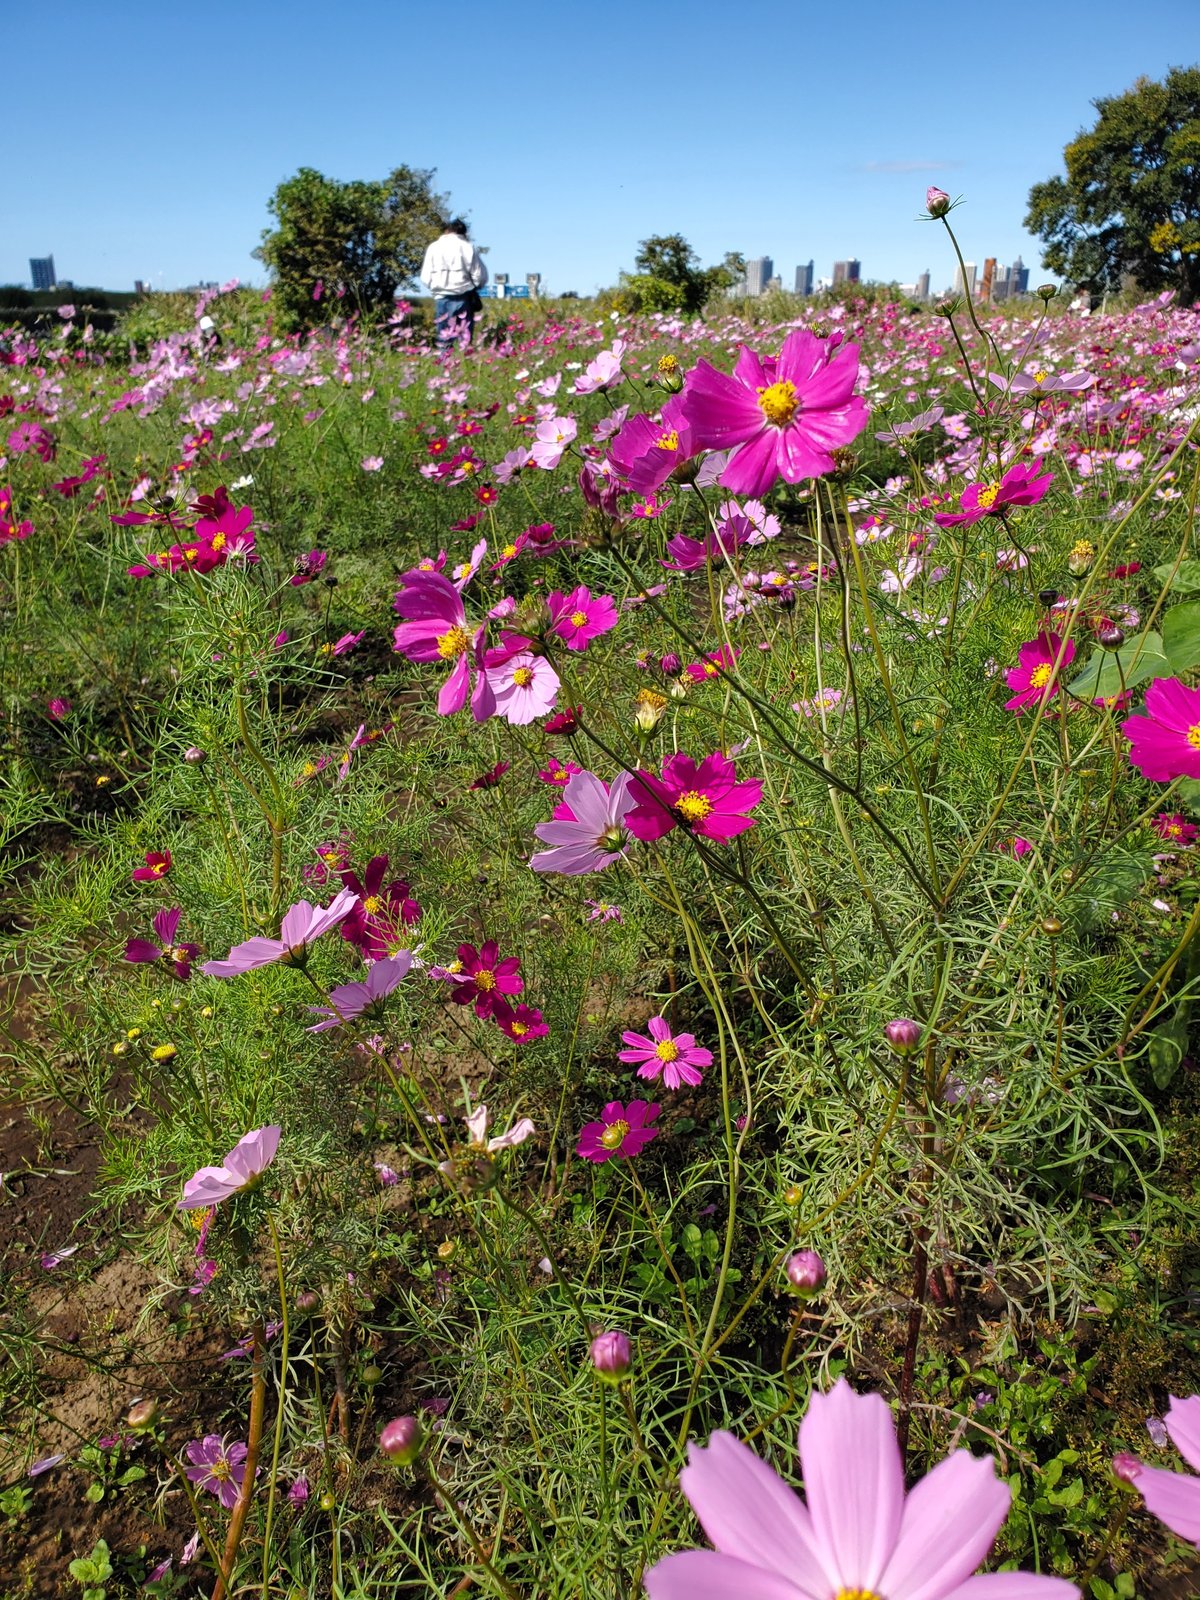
453 272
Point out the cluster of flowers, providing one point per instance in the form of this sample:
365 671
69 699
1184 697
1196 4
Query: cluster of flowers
221 533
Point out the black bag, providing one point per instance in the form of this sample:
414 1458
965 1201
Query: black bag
474 302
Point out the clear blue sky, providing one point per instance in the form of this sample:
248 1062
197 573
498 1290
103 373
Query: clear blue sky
145 140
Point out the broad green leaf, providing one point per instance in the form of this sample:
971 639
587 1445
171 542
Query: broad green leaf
1167 1044
1181 636
1136 660
1186 580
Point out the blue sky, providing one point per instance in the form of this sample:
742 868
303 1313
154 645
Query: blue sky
152 136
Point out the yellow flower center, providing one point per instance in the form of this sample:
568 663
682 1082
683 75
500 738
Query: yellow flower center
578 619
178 953
669 441
667 1050
158 868
218 541
485 979
1040 676
1193 736
468 467
650 697
1173 830
452 643
613 1136
693 807
190 554
523 677
1040 377
1084 548
668 364
779 402
857 1594
987 497
220 1469
371 904
711 669
509 551
519 1029
454 966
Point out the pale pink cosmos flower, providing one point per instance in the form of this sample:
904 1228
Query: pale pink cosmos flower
372 463
478 1123
303 924
244 1165
1173 1497
551 440
217 1467
350 1000
860 1536
524 688
588 830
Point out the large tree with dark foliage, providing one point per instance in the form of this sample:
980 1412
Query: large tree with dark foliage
349 245
1130 202
669 275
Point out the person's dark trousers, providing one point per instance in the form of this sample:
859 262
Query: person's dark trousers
451 313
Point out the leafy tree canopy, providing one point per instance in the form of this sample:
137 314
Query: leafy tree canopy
1130 201
669 276
359 241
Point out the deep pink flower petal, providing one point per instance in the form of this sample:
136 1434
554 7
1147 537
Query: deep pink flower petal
1173 704
142 950
452 696
754 468
854 1483
950 1522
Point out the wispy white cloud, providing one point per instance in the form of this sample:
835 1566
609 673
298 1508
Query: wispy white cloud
910 166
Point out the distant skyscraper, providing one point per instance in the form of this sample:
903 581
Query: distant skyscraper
757 273
1018 278
804 279
846 272
41 270
922 286
533 282
967 286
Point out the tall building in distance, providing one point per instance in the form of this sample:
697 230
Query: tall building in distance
41 270
804 279
921 287
1018 277
758 272
846 272
965 286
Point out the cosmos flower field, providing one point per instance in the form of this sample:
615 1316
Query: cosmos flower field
587 907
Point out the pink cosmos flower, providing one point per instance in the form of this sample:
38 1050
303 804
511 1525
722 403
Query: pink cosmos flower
602 373
217 1467
436 629
178 956
704 797
603 911
622 1132
522 1024
578 616
860 1536
1165 743
478 1123
1173 1497
784 416
244 1165
1037 678
10 529
524 687
1020 486
551 440
350 1000
1042 382
558 773
676 1056
1174 826
645 453
588 831
712 666
482 978
58 710
372 463
158 864
303 925
308 567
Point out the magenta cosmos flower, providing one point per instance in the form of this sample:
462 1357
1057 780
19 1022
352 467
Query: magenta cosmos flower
217 1467
645 453
588 832
436 629
704 797
1174 827
1173 1497
1020 486
244 1165
482 978
859 1536
158 864
350 1000
378 925
676 1056
783 417
1037 678
578 617
622 1132
179 956
1165 743
522 1024
302 925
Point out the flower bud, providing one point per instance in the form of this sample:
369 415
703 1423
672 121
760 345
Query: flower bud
611 1355
194 755
1051 926
793 1195
141 1415
1083 554
937 201
372 1374
1047 597
648 708
805 1273
1126 1466
670 665
401 1440
308 1301
1109 636
948 306
903 1034
1046 292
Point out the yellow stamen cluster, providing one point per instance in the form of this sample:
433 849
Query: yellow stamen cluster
485 979
779 402
1193 736
452 643
1040 676
667 1051
987 497
668 441
523 677
668 365
693 807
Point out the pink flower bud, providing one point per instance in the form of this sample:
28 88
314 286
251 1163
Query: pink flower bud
1126 1466
611 1355
937 201
806 1273
904 1035
142 1414
401 1440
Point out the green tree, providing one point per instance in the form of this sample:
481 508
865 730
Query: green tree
1130 201
669 276
364 238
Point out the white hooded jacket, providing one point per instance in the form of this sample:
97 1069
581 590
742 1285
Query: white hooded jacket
452 266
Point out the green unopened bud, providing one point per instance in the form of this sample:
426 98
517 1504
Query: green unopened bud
1046 292
1051 926
141 1415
